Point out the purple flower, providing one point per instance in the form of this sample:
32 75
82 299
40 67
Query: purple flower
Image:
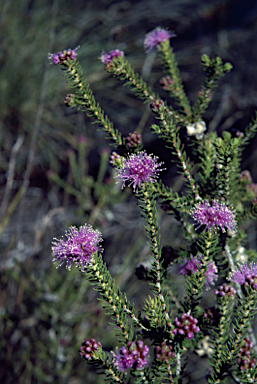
138 169
155 37
214 216
123 359
108 57
54 57
133 353
245 275
62 56
191 266
78 247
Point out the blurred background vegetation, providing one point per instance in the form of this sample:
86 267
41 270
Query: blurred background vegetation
54 169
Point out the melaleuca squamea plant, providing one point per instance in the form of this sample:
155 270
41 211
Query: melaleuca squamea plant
154 342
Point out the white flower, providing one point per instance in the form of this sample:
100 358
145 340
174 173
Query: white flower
196 129
205 347
241 256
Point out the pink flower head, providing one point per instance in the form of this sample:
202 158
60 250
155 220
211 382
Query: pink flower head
134 353
138 169
155 37
214 216
245 275
60 57
107 58
78 247
190 267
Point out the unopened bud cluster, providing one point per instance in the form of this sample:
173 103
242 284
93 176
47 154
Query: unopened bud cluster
186 325
166 82
116 160
88 348
225 290
60 57
157 104
211 315
164 352
134 139
244 360
68 99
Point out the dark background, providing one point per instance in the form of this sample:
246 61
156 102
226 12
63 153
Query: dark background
40 334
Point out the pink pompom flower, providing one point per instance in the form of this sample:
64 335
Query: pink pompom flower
214 216
78 247
155 37
138 169
245 275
